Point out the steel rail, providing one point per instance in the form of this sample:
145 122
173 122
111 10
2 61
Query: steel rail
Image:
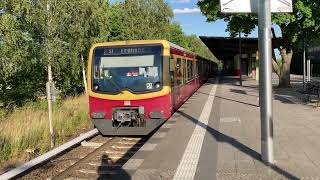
47 156
89 156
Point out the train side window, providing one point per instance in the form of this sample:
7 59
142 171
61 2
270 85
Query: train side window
194 69
191 69
179 72
171 63
189 64
206 68
185 69
201 67
200 64
199 70
198 67
172 70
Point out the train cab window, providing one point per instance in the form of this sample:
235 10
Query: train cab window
133 68
179 71
97 72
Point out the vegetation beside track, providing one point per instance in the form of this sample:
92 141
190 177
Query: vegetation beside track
33 35
26 128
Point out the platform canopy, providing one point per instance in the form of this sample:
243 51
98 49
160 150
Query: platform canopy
314 53
225 48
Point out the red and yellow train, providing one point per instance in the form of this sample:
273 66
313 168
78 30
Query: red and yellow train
134 86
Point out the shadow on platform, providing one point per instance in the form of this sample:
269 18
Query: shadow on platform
220 137
245 103
228 99
278 93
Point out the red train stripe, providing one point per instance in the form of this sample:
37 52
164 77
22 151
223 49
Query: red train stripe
181 53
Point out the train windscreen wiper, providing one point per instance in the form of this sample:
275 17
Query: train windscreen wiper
114 84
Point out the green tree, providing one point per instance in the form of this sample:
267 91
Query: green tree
21 72
118 29
196 45
176 35
31 37
191 42
83 23
303 23
72 27
146 19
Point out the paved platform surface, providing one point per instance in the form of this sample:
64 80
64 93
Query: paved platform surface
216 135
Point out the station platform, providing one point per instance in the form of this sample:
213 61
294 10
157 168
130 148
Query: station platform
216 135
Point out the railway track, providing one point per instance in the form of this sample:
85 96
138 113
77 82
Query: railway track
104 162
99 158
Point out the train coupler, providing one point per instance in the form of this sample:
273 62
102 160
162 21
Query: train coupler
128 117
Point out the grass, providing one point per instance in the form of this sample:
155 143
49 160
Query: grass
27 128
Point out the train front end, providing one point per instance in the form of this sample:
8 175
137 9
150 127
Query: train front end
129 90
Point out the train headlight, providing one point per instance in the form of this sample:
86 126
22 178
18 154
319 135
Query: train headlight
95 87
157 85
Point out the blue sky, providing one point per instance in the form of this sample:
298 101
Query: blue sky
188 15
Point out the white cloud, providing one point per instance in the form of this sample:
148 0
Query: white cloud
187 11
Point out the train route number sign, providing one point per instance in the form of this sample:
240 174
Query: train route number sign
251 6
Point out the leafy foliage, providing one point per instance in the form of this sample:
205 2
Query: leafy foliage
197 46
31 36
20 75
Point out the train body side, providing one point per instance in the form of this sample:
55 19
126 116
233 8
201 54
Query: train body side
152 107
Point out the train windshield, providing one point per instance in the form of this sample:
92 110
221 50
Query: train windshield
133 68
